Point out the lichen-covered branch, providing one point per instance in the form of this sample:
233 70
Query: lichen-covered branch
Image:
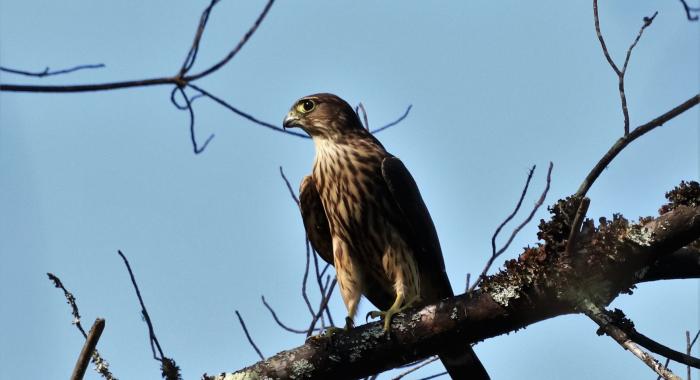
544 282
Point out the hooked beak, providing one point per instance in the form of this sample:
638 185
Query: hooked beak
291 120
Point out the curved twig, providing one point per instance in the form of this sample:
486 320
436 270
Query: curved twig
622 142
47 71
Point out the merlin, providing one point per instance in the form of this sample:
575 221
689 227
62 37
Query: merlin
363 213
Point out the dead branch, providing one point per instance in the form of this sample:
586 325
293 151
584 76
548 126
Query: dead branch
599 317
169 368
101 365
495 254
539 285
47 72
247 335
622 142
690 10
620 72
88 349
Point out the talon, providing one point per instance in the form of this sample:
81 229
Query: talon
325 335
349 324
374 314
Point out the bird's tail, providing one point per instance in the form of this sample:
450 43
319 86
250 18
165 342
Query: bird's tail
463 364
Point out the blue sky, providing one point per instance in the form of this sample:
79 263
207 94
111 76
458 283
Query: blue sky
495 87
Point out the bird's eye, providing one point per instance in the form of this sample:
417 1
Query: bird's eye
307 105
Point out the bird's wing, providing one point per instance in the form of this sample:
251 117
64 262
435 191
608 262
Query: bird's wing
314 217
421 235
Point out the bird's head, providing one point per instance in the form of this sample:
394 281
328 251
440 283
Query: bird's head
323 116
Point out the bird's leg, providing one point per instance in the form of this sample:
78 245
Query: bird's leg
398 306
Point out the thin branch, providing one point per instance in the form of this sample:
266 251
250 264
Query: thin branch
192 53
101 365
321 308
435 376
688 349
88 348
689 10
250 340
151 332
620 73
193 139
361 107
416 368
292 193
393 123
622 142
244 114
89 87
70 299
236 49
278 321
47 71
495 254
576 224
168 367
599 317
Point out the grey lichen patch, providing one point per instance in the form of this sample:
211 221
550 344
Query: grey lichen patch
244 375
641 236
454 314
366 341
301 369
504 294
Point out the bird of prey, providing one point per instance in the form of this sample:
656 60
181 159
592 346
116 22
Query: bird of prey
363 213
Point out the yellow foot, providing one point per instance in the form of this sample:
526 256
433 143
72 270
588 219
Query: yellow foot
324 336
330 332
386 316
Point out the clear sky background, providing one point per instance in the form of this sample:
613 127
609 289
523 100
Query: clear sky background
495 86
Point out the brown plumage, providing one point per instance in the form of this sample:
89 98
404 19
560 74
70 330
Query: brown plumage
363 213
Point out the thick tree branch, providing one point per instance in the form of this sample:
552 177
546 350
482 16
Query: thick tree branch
621 337
539 285
682 264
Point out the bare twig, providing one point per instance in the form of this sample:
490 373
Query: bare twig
88 348
393 123
292 193
169 368
435 376
496 253
193 139
689 11
192 53
688 347
416 368
47 71
622 142
361 107
151 332
101 365
620 73
238 47
70 299
247 334
321 308
278 321
245 115
599 317
576 224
